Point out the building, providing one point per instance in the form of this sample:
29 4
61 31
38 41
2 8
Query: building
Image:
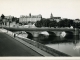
30 18
77 20
57 19
8 18
54 18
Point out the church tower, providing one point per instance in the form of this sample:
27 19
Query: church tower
51 16
30 14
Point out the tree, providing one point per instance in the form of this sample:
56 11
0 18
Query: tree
13 19
2 16
0 21
53 24
45 23
65 23
17 20
38 24
3 20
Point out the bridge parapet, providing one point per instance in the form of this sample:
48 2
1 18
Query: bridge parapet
57 31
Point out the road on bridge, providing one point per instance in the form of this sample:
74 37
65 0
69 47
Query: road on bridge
11 47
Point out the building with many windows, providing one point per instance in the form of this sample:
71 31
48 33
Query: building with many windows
30 18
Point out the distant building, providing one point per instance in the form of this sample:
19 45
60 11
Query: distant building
30 18
51 16
54 18
57 19
77 20
8 17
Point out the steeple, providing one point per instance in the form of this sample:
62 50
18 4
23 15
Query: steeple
51 15
30 14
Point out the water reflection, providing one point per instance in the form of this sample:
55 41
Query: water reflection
69 35
52 38
55 40
69 46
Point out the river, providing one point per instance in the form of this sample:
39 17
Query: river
71 47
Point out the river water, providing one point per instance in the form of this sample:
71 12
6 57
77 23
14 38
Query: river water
70 46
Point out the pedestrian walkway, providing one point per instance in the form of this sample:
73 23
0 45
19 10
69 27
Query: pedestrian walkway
3 30
9 46
33 47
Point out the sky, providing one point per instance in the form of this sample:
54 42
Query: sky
59 8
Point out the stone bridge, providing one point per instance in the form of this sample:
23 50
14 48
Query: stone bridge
37 31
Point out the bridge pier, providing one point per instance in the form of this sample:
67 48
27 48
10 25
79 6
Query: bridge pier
76 33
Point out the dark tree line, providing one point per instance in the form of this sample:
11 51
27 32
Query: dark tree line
14 19
53 23
2 19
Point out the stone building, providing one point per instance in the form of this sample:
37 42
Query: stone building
54 18
30 18
77 20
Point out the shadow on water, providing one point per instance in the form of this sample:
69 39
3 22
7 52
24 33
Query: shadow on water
53 39
69 38
46 39
52 35
69 35
42 38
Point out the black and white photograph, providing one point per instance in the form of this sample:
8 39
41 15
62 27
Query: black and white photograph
39 28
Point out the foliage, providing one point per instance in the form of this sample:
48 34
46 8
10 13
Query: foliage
53 23
2 16
14 19
42 23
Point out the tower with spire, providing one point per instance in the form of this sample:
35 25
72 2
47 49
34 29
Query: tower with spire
51 16
29 14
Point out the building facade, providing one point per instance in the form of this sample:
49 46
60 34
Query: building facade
30 18
77 20
57 19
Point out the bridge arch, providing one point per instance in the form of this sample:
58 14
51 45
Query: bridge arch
69 34
52 35
30 35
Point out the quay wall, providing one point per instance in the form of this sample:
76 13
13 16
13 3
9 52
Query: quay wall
44 48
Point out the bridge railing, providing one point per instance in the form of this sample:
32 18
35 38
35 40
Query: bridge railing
38 29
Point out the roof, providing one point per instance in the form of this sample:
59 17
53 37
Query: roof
32 16
57 17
